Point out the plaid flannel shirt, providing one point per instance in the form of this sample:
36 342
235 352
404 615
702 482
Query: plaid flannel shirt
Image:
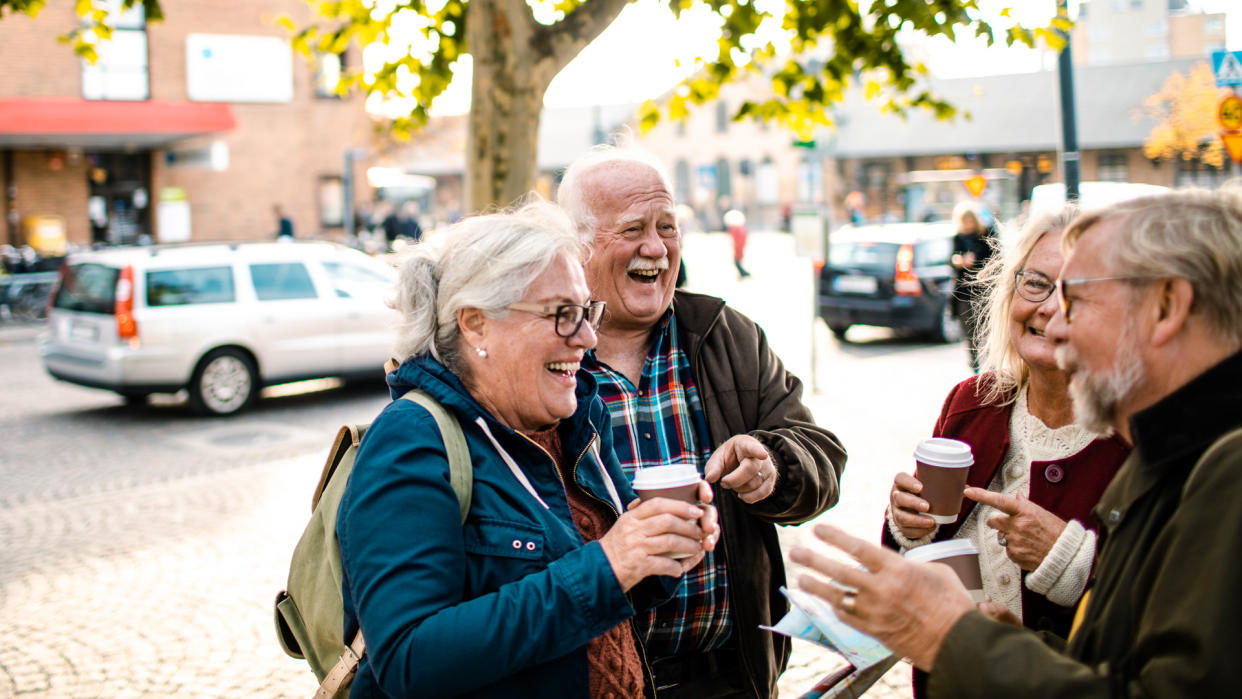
662 422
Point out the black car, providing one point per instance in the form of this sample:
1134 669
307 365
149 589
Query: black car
894 275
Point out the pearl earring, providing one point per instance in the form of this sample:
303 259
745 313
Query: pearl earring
481 352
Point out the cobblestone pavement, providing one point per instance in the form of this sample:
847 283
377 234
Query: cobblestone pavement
148 583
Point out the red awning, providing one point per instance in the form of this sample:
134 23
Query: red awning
59 122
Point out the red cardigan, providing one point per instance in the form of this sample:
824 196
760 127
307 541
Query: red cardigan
1068 488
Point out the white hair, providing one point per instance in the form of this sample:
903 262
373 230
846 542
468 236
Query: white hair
487 262
574 197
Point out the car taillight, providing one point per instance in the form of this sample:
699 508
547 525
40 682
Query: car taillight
906 282
126 326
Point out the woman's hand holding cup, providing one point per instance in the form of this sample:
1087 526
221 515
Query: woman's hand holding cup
908 509
647 536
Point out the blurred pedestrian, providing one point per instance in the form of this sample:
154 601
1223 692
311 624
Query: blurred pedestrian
735 224
284 224
407 225
973 245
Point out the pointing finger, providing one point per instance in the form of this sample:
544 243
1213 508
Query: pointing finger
1005 503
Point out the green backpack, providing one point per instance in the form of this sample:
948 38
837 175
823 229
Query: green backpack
310 612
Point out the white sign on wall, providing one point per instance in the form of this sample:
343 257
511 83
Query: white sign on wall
233 68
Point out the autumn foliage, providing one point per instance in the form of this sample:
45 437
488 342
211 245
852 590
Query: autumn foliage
1185 112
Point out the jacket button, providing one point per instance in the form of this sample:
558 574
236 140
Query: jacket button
530 546
1114 516
1054 473
1004 579
646 435
517 543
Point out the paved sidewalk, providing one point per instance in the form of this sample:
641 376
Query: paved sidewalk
166 591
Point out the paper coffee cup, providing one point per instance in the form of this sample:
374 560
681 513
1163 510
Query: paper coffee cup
959 554
942 468
676 481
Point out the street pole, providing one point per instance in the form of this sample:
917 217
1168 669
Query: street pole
1069 126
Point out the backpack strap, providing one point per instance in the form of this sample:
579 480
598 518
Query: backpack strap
461 473
461 477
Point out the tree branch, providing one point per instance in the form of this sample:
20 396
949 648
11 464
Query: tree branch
562 41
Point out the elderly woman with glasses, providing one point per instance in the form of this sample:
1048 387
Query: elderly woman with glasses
533 594
1036 474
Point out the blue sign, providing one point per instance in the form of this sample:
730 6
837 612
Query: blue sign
1227 65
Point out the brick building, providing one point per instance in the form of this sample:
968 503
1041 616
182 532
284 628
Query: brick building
194 127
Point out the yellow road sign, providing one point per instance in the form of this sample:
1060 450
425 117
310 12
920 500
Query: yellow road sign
1233 144
1230 113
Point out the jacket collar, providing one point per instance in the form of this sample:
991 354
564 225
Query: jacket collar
1170 435
696 314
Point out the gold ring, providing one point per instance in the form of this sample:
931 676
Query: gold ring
848 602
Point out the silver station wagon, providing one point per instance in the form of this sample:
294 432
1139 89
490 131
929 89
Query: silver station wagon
221 320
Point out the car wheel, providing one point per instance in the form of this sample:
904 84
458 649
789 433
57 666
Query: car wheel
948 328
224 383
838 331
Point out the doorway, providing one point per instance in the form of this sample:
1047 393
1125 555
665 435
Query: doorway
119 204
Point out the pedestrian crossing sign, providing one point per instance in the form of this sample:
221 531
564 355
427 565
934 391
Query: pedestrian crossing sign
1227 65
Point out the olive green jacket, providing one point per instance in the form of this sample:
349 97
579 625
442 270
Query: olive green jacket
1165 607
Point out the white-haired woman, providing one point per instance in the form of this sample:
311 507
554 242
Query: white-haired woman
532 596
1036 474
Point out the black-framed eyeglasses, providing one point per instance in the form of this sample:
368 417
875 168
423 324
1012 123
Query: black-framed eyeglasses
569 316
1033 286
1063 284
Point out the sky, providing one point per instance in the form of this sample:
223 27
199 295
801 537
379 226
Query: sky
646 51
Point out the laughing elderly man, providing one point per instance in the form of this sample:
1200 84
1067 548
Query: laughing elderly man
689 380
1150 328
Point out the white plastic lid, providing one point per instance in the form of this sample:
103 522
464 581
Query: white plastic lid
942 549
669 476
945 453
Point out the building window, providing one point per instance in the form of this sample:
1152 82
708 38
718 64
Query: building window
1157 27
681 180
1136 4
120 71
1113 167
1212 25
1192 173
328 68
1096 32
722 116
1082 9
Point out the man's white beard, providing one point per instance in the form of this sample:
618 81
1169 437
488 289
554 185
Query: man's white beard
1098 395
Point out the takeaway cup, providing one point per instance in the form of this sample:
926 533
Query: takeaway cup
942 468
676 481
959 554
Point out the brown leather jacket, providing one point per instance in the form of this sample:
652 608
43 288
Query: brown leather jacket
745 389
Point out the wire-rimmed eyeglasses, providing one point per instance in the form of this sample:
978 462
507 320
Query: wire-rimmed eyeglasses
1033 286
1063 284
569 316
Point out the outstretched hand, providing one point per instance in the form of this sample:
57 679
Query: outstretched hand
742 464
909 607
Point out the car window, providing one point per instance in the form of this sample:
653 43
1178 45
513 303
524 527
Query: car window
87 287
348 278
933 252
282 280
177 287
878 257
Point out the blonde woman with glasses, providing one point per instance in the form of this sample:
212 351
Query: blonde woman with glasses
1037 474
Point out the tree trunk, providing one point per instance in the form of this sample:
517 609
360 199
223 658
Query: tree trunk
515 59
